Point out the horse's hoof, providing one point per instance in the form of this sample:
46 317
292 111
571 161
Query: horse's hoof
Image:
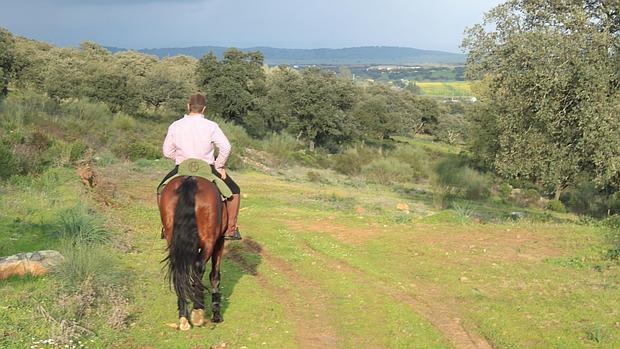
184 324
198 317
217 318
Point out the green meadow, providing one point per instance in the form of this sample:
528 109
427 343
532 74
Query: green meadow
324 265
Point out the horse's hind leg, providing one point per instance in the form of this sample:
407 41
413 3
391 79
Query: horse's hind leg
183 314
198 296
214 276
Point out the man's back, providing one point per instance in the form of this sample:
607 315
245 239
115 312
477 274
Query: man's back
193 137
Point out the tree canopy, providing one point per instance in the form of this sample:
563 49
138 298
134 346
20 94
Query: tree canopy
549 93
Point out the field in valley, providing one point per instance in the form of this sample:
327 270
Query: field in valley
445 88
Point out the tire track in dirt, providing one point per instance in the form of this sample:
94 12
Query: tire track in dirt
312 329
429 303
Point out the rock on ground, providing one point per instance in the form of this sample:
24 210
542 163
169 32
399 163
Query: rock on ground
35 263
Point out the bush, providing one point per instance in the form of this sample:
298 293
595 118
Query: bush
314 177
613 202
26 107
9 164
123 122
30 152
505 190
415 157
585 198
281 147
87 262
351 161
455 178
78 148
58 154
556 206
387 171
106 158
133 148
475 186
81 227
85 110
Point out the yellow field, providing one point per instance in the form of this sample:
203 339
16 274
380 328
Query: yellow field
449 88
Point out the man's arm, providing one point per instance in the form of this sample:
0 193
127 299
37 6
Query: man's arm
223 145
169 149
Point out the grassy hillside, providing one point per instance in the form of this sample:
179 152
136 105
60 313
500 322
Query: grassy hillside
323 265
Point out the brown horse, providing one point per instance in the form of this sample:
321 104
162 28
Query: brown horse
194 220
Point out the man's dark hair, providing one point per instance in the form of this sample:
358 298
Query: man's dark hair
197 102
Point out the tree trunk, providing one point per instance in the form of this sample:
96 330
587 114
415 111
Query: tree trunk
558 191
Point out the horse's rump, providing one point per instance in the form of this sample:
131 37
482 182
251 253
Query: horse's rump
191 213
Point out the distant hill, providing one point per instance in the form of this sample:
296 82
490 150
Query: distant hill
350 56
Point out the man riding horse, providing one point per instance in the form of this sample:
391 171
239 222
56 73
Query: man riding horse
195 219
194 137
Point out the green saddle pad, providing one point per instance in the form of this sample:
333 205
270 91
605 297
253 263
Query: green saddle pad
200 168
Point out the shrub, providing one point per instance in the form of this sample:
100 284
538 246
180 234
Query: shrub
556 206
505 190
585 198
351 161
314 177
106 158
531 195
78 225
30 152
87 262
133 148
455 178
448 171
85 110
281 147
26 107
475 186
613 202
388 170
415 157
58 154
78 148
9 164
464 212
123 122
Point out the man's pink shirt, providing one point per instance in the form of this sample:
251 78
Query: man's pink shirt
194 137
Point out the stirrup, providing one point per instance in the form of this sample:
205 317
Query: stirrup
235 235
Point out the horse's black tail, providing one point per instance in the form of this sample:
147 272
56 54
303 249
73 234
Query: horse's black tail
183 251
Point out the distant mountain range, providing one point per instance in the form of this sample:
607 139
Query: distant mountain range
324 56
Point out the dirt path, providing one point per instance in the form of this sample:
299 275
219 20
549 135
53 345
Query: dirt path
428 302
307 310
306 303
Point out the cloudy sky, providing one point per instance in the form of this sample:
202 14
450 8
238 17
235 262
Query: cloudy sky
435 24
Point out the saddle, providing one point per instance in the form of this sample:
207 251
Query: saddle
199 168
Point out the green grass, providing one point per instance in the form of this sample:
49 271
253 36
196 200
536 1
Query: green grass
345 268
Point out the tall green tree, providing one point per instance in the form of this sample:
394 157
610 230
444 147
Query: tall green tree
233 84
274 111
321 110
549 101
7 44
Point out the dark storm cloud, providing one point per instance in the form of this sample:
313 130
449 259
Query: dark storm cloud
436 24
